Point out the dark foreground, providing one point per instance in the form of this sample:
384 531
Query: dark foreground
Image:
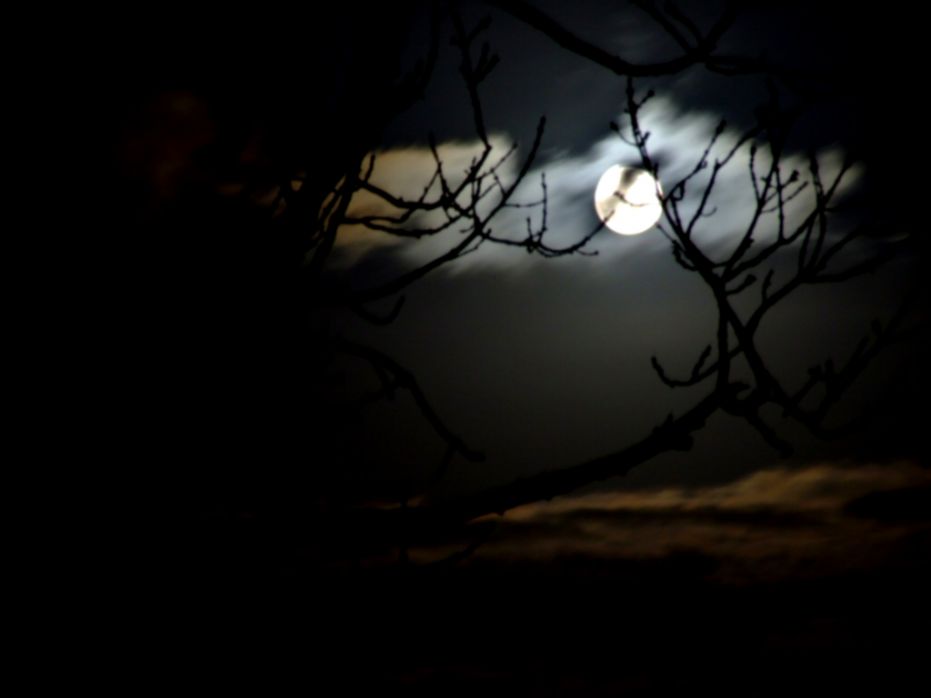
230 619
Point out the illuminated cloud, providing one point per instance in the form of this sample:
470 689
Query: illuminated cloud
677 140
406 173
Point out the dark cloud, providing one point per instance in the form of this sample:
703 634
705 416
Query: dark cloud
907 505
769 525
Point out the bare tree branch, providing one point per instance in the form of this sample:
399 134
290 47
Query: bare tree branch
465 207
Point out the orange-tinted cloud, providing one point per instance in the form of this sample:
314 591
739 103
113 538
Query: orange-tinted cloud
772 524
405 172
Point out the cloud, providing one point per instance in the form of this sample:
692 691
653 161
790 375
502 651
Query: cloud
407 173
677 140
771 524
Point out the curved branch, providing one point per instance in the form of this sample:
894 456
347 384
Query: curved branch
674 434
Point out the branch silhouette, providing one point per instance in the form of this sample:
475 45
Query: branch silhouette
739 394
732 375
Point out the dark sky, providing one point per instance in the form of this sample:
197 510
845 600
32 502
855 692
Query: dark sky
558 350
540 364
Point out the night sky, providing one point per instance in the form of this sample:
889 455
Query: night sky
313 518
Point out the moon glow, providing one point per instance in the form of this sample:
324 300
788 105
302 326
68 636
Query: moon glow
627 200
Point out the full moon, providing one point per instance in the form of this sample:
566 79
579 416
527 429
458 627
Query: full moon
627 200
